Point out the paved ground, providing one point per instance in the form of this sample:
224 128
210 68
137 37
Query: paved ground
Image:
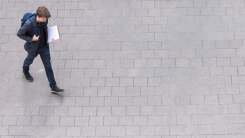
131 69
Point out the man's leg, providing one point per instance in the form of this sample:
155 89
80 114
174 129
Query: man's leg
27 62
45 56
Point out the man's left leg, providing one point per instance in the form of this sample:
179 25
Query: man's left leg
45 56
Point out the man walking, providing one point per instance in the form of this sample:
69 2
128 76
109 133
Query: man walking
34 32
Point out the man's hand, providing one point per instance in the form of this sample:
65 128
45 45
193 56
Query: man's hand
35 38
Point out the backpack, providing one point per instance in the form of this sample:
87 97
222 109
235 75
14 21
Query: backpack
26 16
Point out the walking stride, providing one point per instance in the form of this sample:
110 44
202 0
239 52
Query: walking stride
34 31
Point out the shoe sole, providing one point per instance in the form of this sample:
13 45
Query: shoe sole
54 92
27 79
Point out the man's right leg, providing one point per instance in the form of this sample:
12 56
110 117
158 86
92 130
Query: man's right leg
26 66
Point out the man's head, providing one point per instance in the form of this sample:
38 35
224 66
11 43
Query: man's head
42 14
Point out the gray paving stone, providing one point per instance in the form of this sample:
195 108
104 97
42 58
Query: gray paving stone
130 69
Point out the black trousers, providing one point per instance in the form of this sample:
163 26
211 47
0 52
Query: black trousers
44 52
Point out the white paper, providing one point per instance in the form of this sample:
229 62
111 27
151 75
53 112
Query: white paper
53 33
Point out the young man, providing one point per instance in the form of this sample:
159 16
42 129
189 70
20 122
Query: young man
34 32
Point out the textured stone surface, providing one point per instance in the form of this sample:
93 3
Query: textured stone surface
130 68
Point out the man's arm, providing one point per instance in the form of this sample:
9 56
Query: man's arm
23 30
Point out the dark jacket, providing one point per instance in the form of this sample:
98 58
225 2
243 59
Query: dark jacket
27 31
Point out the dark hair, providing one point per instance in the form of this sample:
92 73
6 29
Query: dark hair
42 11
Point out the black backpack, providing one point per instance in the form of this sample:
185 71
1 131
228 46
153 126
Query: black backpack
26 16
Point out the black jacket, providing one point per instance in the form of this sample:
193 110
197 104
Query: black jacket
27 31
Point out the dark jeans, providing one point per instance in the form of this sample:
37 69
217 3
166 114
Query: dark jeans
44 53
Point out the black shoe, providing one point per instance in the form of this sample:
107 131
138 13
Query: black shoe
56 89
28 76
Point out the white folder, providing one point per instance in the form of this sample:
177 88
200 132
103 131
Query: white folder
53 33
